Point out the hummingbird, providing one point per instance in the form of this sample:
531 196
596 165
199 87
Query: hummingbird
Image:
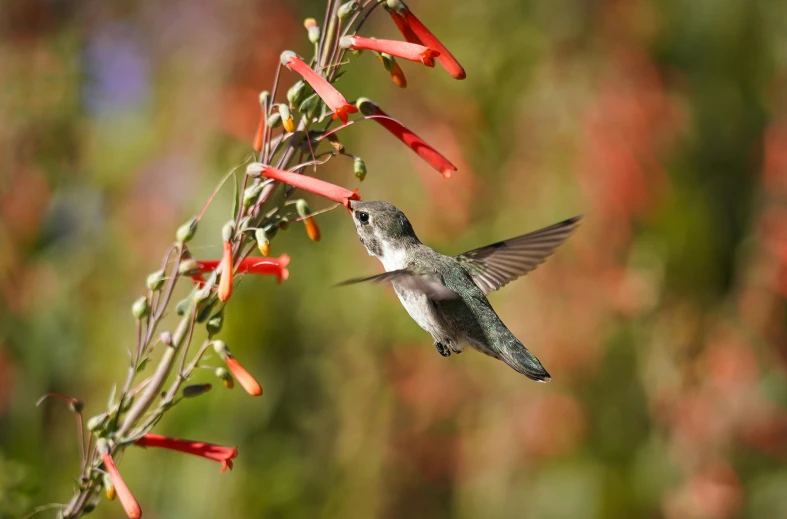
446 295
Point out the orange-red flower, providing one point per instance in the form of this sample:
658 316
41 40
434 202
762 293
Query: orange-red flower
415 32
399 49
393 68
312 229
414 142
262 266
127 499
313 185
332 97
225 283
223 455
245 379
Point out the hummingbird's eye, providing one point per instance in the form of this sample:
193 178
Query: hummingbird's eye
362 217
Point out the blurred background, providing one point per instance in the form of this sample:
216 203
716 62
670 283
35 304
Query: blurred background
662 320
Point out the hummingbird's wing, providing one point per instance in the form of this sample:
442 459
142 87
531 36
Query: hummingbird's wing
412 279
498 264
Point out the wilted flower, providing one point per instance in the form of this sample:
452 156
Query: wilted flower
223 455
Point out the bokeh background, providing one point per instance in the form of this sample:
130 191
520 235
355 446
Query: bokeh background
662 320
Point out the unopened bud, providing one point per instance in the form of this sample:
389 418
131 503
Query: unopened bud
286 118
165 338
215 324
348 9
310 24
263 243
228 230
251 193
188 267
97 422
359 166
264 98
298 92
183 305
310 105
155 280
302 207
284 223
196 390
221 349
76 405
109 488
225 377
205 308
186 231
274 120
140 308
366 106
125 405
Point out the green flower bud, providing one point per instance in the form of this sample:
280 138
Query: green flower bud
140 308
255 169
225 377
228 230
298 92
265 98
348 9
156 280
165 338
97 422
310 105
302 207
188 267
274 120
359 166
215 324
251 193
186 231
221 349
310 24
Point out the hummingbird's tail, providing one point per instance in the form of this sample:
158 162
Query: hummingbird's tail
514 353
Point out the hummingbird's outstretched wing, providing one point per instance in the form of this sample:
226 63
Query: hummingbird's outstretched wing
411 279
498 264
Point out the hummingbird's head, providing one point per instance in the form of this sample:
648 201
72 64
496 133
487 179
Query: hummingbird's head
381 226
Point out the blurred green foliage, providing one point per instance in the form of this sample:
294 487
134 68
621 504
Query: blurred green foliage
662 320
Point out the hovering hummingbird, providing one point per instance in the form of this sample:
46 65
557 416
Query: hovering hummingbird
446 295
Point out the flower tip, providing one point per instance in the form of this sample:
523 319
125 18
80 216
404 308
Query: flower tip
227 462
448 173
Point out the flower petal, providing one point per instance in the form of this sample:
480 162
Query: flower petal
327 92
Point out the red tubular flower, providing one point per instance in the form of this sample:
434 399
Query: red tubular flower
225 282
414 142
262 266
332 97
313 185
223 455
399 49
127 500
415 30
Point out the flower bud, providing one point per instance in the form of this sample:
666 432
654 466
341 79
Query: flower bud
109 488
125 405
284 223
348 9
263 243
310 105
225 377
274 120
359 166
251 193
186 231
196 390
396 5
215 324
155 280
76 405
97 422
393 68
302 207
310 24
286 118
166 338
265 98
188 267
205 308
140 308
183 305
228 230
298 92
366 106
312 229
221 349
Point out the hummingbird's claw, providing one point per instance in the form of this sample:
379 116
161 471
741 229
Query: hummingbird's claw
442 349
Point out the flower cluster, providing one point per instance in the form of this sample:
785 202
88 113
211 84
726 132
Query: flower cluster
297 129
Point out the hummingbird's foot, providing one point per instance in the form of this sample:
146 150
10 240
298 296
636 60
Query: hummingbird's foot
442 349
